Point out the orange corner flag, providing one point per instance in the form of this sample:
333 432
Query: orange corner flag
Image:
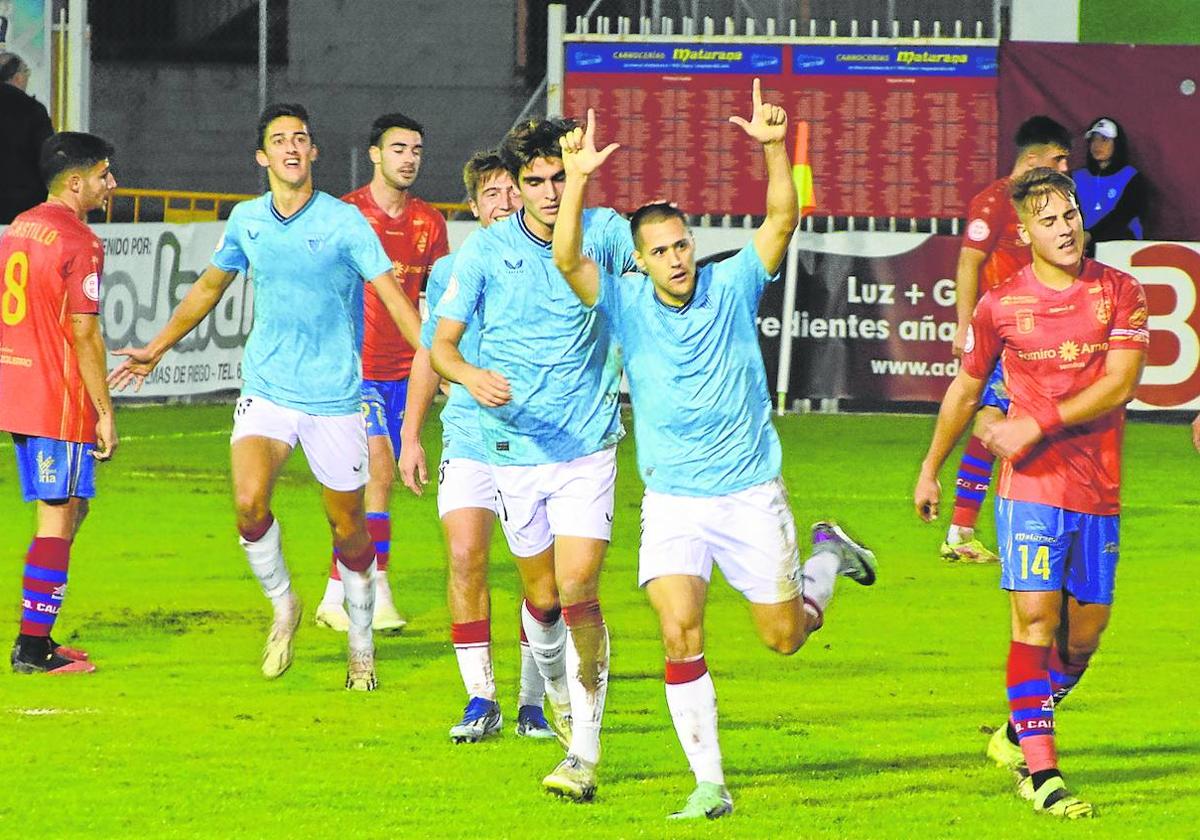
802 174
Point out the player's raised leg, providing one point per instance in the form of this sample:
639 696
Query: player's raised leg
256 462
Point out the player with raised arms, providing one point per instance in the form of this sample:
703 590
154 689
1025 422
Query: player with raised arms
307 254
991 252
54 399
1072 335
413 235
707 450
466 491
547 379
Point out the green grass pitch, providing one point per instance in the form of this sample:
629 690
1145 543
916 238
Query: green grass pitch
872 730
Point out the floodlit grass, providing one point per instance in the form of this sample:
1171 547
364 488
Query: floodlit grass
872 730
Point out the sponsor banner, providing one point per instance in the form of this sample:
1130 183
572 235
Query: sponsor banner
756 59
148 268
893 60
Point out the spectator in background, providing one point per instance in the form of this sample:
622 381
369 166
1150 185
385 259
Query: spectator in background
1112 194
24 126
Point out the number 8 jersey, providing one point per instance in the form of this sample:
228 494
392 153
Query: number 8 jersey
51 263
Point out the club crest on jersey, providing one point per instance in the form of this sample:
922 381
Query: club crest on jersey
422 241
1103 310
314 244
1024 320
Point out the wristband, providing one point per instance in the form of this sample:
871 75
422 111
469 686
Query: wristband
1048 419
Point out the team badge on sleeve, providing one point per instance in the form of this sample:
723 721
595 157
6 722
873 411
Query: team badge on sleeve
969 344
978 230
91 286
451 289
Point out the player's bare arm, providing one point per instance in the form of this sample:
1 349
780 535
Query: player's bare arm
89 350
423 384
957 409
199 301
1012 438
402 310
1196 432
580 159
768 125
966 285
487 387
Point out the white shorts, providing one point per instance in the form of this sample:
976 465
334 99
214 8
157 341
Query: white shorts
336 447
565 499
750 534
463 483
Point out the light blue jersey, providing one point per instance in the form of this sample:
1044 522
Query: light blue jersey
460 415
701 410
305 349
533 330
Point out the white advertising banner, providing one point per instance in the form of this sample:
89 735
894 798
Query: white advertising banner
148 268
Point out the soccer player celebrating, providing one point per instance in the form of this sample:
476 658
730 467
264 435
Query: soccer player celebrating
547 379
1072 335
413 234
466 490
54 399
307 254
992 251
707 451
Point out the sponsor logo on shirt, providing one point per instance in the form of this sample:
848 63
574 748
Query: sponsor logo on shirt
1016 300
1138 317
978 230
252 233
1069 352
91 286
59 592
511 266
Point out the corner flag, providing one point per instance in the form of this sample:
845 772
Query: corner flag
802 175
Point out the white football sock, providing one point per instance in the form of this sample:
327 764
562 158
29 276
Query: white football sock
265 556
547 644
820 572
693 708
335 592
360 604
533 687
959 534
587 701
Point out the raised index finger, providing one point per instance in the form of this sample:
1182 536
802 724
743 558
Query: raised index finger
589 132
757 95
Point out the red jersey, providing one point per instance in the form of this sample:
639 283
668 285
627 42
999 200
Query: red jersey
992 228
1053 344
414 240
51 263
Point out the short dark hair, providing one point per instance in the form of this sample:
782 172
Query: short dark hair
1041 131
480 165
649 214
533 139
68 150
11 66
1031 191
393 120
276 110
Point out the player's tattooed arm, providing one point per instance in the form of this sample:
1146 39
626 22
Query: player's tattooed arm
1012 437
89 350
957 409
198 302
966 291
768 125
488 387
422 388
580 159
404 313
